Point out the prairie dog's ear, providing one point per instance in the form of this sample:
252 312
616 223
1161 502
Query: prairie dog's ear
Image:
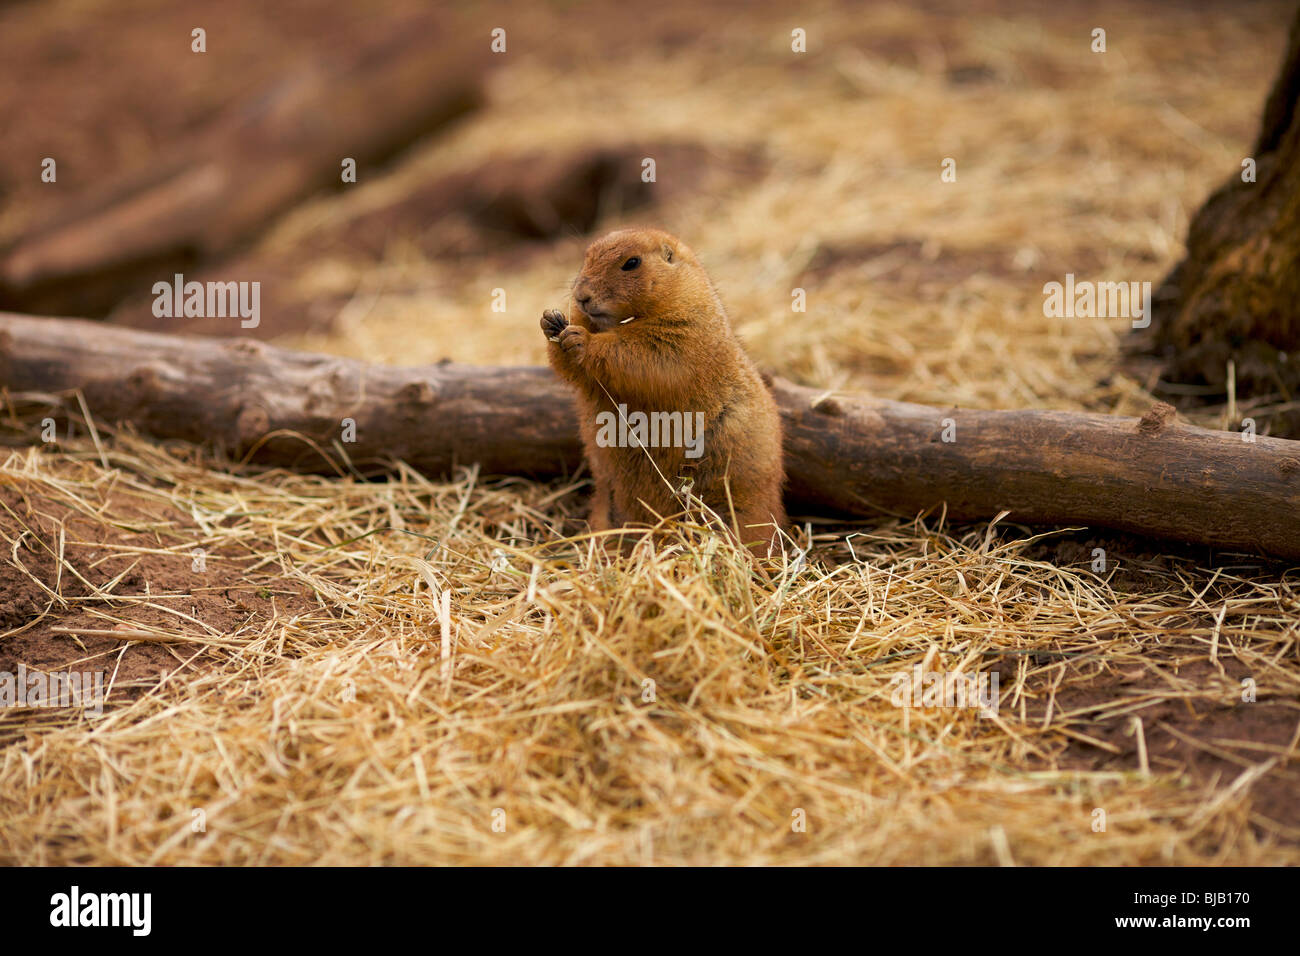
668 251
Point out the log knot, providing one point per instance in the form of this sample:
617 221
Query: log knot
252 423
144 383
826 405
1157 418
249 347
319 396
418 393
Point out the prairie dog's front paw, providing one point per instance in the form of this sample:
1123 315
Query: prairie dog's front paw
573 339
553 323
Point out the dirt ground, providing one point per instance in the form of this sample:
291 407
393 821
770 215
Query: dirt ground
69 569
304 686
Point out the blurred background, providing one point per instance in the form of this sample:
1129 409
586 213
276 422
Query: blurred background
479 170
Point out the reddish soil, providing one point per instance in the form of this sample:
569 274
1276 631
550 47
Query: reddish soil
221 596
1203 742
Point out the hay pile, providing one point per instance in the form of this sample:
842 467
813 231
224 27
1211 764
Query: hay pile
420 672
461 662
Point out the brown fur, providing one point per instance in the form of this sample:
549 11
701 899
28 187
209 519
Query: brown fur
677 353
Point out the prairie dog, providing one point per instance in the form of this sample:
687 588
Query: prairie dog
648 334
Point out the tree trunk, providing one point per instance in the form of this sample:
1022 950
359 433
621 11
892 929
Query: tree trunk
1236 296
851 456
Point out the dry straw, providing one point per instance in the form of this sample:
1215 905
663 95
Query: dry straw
464 663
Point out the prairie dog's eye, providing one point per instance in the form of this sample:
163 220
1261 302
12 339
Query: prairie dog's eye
631 264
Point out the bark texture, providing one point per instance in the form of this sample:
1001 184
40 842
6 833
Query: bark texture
1236 295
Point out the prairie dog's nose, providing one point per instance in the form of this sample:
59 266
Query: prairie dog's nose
583 296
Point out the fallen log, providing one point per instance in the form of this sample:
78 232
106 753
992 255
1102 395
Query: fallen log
845 455
229 180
